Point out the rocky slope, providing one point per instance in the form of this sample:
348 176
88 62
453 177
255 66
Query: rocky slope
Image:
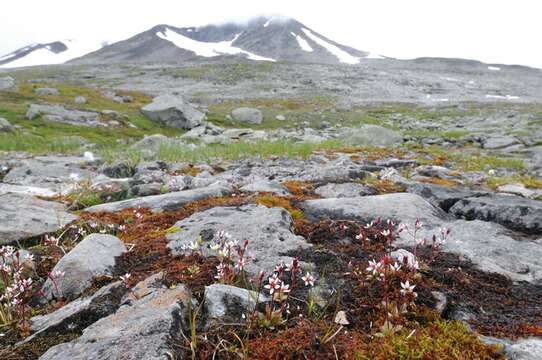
144 219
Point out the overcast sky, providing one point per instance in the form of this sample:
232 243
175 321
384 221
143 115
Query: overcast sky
494 31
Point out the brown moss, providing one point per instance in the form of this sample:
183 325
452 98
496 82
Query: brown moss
270 200
439 181
385 186
188 170
299 188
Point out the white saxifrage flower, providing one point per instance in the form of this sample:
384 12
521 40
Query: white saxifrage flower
308 279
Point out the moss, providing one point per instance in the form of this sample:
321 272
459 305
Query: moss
384 186
298 188
270 200
439 181
436 340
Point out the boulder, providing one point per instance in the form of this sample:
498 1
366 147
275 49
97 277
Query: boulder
5 126
513 212
24 216
170 201
7 83
146 327
173 111
268 230
344 190
247 115
442 196
491 247
58 113
55 173
93 256
47 91
499 142
79 313
372 135
269 186
226 304
400 207
521 190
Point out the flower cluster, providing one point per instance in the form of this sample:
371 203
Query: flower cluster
17 287
233 257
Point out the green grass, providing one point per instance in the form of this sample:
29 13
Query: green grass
233 151
38 136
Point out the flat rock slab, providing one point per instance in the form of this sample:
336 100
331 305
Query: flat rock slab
513 212
344 190
442 196
24 216
226 304
93 256
491 247
164 202
79 313
58 113
268 230
141 329
400 207
55 173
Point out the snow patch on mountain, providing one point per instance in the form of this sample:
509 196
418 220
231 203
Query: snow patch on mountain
342 55
45 55
303 44
207 49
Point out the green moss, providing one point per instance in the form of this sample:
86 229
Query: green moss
436 340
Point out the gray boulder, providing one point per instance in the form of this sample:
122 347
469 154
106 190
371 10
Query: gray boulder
226 304
24 216
58 113
499 142
170 201
140 329
270 186
400 207
372 135
268 230
344 190
489 246
55 173
524 349
47 91
79 313
173 111
93 256
247 115
5 126
7 83
442 196
511 211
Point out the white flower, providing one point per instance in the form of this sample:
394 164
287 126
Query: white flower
308 279
395 267
402 227
274 283
418 224
125 278
194 245
240 264
385 233
406 289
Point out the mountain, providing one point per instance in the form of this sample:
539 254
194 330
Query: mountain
57 52
261 39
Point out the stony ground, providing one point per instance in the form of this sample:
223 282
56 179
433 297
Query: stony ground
282 224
